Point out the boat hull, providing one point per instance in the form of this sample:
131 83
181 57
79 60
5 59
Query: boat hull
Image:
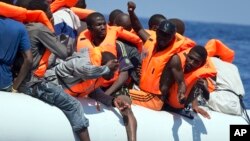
25 118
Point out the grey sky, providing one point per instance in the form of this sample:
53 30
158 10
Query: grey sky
220 11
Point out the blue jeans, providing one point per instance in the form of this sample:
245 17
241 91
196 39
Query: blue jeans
55 95
7 89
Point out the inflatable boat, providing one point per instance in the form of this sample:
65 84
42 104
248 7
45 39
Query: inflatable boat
24 118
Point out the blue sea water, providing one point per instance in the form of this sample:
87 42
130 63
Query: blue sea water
237 37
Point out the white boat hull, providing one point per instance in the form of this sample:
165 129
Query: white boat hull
24 118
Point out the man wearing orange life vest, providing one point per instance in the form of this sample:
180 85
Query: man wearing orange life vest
133 54
156 52
99 35
43 39
186 67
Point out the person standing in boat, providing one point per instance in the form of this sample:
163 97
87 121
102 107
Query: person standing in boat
14 38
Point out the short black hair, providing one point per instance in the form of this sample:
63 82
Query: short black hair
107 56
180 25
201 51
113 15
155 20
92 17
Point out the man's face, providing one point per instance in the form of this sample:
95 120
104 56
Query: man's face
163 39
193 61
99 28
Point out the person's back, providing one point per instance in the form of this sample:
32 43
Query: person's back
13 39
66 23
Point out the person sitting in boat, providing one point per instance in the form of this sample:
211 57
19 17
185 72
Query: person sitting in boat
226 89
112 16
99 35
156 52
14 39
43 41
189 67
132 52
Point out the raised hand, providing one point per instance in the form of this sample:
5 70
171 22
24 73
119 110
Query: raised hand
131 6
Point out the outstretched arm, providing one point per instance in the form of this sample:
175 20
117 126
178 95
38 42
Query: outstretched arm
136 25
176 68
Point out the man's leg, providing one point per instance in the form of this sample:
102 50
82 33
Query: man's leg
129 119
70 106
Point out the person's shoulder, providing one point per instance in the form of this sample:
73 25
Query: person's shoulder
61 12
14 23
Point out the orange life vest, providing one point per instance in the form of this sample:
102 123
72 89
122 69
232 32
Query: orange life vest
86 87
154 63
215 47
207 70
13 12
186 42
23 15
57 4
81 13
108 44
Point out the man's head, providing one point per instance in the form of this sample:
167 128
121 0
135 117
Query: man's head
165 35
155 20
113 15
107 59
36 5
96 24
195 58
180 25
123 20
